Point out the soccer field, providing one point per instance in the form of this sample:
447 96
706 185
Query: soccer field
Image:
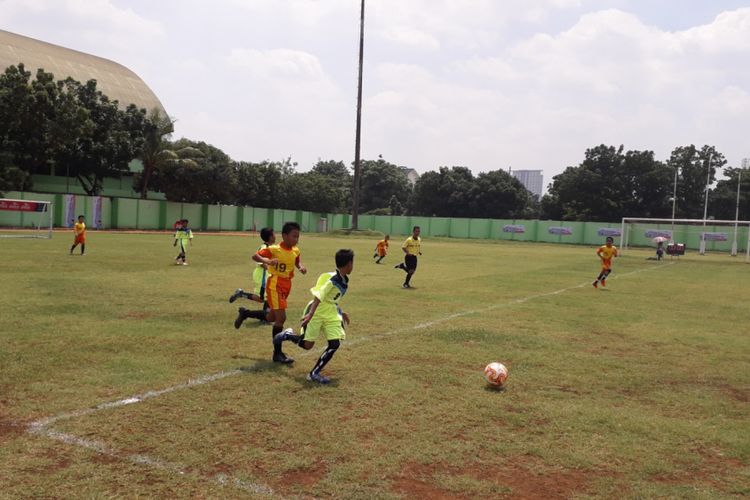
122 375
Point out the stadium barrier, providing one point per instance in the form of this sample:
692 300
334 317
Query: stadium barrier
138 214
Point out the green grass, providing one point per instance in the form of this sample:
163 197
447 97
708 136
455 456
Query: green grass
639 390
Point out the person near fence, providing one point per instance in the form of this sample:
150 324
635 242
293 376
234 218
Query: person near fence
79 235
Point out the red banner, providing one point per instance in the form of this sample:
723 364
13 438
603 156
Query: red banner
22 206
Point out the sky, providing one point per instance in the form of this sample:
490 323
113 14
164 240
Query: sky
486 84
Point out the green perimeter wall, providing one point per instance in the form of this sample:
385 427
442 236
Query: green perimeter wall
133 213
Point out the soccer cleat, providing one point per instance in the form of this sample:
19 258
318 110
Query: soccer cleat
407 285
282 358
236 295
184 263
317 377
604 282
241 315
595 283
282 336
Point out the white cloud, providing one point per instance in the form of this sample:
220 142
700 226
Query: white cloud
283 63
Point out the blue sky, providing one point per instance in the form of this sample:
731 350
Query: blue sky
485 84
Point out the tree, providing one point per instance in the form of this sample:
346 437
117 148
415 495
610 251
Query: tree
445 193
208 177
312 192
499 195
394 206
693 170
380 181
106 147
723 199
262 184
609 184
337 173
156 152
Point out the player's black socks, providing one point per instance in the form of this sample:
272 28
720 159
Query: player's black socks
274 331
83 248
326 356
408 279
256 314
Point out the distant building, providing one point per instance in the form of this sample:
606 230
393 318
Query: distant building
745 163
531 180
411 174
114 80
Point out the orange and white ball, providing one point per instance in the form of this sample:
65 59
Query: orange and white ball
496 374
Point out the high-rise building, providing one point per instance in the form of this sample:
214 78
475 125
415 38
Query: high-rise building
533 180
745 163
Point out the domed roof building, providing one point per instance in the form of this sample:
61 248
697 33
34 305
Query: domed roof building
114 80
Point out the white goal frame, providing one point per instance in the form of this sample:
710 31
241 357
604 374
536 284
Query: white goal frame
693 222
44 232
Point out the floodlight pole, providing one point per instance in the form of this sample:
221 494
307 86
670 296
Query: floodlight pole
674 197
357 141
705 206
736 215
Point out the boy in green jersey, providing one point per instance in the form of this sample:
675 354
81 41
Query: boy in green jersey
259 279
182 236
323 316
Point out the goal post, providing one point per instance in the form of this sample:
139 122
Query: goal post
726 236
26 218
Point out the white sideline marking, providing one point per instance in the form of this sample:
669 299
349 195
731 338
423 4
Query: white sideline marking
154 463
42 426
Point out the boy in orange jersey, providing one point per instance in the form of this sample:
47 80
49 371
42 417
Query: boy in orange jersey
381 249
605 252
281 260
79 231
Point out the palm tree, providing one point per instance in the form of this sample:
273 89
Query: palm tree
157 151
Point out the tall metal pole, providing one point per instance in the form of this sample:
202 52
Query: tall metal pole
736 215
357 166
705 206
674 198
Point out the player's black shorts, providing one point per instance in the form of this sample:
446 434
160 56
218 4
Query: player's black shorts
410 261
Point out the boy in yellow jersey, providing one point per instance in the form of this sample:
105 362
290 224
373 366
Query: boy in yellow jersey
281 260
411 247
79 235
605 252
182 236
323 315
381 249
259 278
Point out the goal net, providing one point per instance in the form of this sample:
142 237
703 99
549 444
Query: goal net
722 236
25 218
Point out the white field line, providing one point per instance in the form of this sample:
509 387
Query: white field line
153 463
42 426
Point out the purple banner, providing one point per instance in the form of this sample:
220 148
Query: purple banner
653 233
69 200
511 228
98 212
565 231
606 231
715 236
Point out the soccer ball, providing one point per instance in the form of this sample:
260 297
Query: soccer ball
496 374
